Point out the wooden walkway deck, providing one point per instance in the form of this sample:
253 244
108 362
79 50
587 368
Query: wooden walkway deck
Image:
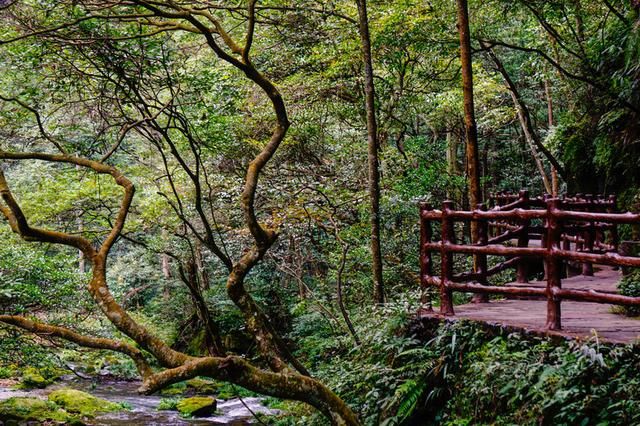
580 320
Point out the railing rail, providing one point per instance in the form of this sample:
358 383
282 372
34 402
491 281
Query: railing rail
588 223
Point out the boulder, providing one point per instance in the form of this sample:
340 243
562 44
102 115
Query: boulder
198 406
202 386
75 401
20 410
31 378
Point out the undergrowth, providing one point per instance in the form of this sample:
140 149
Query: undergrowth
462 373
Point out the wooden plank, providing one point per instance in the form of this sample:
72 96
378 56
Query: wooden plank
580 320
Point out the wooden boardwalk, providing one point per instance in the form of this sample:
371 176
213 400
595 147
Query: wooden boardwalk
580 320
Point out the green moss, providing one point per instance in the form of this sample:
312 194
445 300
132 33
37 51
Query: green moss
198 406
173 391
31 378
33 409
196 345
7 372
229 391
202 386
76 401
169 404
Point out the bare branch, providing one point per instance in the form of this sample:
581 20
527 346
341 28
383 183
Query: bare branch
38 120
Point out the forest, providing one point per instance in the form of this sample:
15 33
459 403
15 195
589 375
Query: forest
210 209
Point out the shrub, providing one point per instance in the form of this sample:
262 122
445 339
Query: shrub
630 286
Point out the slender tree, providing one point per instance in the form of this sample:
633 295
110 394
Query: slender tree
471 129
473 163
372 139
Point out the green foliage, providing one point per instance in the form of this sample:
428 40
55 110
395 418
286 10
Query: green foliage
7 372
314 192
34 276
202 386
168 404
630 286
511 379
464 374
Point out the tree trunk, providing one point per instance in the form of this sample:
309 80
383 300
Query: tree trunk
452 154
452 160
526 129
203 275
372 139
471 130
82 264
473 163
343 309
554 171
191 278
525 111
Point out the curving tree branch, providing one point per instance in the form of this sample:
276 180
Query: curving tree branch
42 329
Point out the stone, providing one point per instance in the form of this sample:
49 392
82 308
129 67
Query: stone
198 406
22 409
202 386
75 401
31 378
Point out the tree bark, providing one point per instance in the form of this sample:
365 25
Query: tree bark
212 338
527 129
343 309
471 129
554 172
372 140
525 111
473 162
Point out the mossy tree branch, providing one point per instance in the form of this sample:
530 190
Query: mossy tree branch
42 329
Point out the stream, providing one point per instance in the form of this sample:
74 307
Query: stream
143 407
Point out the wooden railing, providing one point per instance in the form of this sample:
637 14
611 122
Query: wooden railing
579 230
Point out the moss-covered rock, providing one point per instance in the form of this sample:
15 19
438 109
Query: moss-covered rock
31 378
75 401
33 409
173 390
198 406
202 386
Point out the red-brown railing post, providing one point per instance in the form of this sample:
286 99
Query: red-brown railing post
446 256
425 256
612 208
553 265
523 240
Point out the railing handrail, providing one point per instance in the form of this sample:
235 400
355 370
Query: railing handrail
561 227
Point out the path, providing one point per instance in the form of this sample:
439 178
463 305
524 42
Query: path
579 319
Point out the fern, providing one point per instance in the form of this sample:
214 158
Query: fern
412 396
406 398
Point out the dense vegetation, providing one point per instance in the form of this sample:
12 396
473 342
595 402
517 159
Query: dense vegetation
191 189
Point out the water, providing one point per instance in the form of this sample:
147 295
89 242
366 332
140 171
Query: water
143 408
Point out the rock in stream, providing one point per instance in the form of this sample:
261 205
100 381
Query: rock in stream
144 408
